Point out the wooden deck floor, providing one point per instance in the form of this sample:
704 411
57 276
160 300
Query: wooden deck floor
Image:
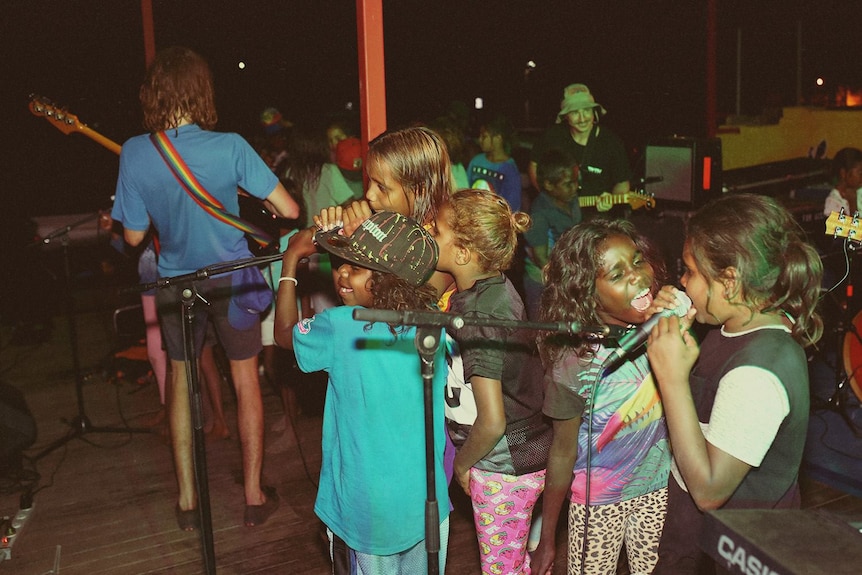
105 499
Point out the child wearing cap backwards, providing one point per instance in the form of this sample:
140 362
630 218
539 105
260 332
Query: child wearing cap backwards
501 457
373 423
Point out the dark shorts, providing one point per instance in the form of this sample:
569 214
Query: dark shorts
237 344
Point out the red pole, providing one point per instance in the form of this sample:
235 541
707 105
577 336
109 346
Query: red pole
372 76
149 38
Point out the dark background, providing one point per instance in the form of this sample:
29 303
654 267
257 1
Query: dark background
644 61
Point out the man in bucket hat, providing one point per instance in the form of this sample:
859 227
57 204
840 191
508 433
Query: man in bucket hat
604 167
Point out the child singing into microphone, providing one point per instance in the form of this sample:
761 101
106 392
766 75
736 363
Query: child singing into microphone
737 411
610 454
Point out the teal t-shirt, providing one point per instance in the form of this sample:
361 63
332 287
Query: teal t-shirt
373 475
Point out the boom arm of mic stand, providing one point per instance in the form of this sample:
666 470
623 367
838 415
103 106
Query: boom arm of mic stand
204 273
444 319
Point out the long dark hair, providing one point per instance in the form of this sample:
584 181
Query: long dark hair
419 161
777 269
392 292
570 279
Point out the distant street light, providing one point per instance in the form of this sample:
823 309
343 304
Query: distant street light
531 65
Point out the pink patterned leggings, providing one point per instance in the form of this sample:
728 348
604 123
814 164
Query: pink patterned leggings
502 512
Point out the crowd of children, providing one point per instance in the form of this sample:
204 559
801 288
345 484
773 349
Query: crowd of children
521 420
558 421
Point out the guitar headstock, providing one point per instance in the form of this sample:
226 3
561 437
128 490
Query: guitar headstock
844 226
638 201
60 118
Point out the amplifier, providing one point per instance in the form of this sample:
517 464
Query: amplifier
683 173
808 214
781 542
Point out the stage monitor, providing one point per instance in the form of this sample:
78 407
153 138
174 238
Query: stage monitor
683 173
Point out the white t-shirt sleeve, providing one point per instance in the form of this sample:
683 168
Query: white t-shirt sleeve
749 407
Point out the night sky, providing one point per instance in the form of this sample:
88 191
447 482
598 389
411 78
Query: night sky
644 61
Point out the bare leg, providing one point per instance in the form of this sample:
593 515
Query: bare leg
212 380
158 357
250 424
179 416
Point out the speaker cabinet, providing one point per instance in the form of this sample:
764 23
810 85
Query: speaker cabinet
683 173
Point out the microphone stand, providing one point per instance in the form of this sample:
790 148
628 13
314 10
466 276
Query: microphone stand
80 424
189 297
427 342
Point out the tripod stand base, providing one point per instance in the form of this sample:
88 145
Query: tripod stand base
81 426
840 402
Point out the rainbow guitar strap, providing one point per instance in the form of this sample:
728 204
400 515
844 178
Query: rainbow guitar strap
199 194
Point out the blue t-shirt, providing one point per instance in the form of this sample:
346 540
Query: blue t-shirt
503 178
372 480
190 238
549 222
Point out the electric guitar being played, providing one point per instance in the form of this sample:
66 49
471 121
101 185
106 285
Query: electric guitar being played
633 199
251 209
68 123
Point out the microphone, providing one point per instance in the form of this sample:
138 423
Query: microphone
651 180
633 340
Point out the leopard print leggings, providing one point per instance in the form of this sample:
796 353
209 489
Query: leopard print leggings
638 522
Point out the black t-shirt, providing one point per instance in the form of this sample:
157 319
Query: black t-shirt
603 161
510 356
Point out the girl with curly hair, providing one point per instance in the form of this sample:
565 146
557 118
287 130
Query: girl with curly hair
610 455
501 452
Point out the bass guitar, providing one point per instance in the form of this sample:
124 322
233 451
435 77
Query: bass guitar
67 122
251 209
633 199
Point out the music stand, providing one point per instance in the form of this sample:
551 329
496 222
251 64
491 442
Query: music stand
80 424
427 341
199 462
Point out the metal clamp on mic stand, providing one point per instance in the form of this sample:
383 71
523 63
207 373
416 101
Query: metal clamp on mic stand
189 297
428 337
